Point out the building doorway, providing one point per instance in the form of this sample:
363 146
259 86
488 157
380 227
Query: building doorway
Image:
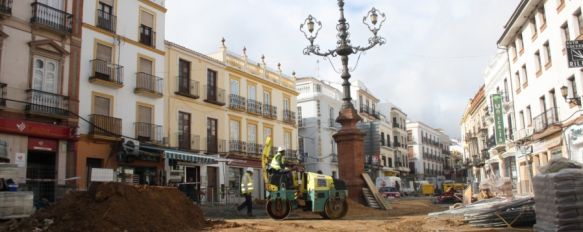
212 184
41 176
92 163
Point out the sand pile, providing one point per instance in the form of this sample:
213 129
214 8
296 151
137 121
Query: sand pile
118 207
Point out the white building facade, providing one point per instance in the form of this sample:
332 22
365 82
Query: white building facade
427 149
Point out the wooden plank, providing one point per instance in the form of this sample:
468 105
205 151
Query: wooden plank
371 202
375 192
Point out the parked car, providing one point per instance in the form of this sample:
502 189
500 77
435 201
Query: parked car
389 192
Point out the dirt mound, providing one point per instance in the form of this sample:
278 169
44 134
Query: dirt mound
118 207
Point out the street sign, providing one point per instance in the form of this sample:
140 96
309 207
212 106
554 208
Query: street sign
575 53
498 119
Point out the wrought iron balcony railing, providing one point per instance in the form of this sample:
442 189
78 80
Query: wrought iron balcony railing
105 71
291 155
237 146
147 36
3 93
254 107
269 111
546 119
148 132
51 18
236 102
187 141
106 21
370 111
186 87
214 95
6 7
289 117
254 148
105 126
149 84
45 103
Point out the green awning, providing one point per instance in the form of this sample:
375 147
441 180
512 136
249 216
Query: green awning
189 157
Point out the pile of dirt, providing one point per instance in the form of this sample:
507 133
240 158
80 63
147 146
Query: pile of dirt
401 207
118 207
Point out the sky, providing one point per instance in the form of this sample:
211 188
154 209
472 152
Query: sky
432 64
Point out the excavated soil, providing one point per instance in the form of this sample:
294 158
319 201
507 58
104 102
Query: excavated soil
118 207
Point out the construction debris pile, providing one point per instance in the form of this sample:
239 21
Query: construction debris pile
559 197
117 207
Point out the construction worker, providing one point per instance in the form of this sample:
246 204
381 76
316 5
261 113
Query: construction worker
247 191
278 161
280 173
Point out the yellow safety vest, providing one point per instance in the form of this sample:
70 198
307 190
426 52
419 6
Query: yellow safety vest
247 184
277 161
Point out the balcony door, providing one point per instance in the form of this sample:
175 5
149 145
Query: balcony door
211 85
145 127
252 138
212 136
57 4
183 76
101 67
45 74
184 130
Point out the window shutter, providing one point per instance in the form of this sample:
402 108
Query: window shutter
103 52
145 66
102 106
145 114
107 2
147 19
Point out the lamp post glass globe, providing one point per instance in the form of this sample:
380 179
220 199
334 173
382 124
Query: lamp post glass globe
310 25
374 18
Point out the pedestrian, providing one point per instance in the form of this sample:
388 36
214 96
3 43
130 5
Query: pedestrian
247 191
397 186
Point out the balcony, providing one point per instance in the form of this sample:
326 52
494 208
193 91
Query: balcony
546 120
254 107
237 146
214 146
3 92
254 149
51 18
106 21
291 155
370 111
289 117
188 141
148 85
236 102
396 125
333 124
148 132
106 73
47 104
147 36
396 144
186 87
5 7
214 95
105 127
270 111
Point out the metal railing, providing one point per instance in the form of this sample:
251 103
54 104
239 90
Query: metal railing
104 125
186 87
254 148
370 111
51 18
269 111
214 147
546 119
236 102
148 132
106 20
6 7
214 95
106 71
187 141
289 117
147 36
3 92
334 157
149 83
47 103
396 144
291 154
237 146
254 107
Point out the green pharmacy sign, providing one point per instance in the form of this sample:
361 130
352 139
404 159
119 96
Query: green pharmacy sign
498 118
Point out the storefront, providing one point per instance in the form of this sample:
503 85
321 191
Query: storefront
236 169
41 152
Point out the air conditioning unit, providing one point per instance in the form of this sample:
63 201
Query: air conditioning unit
131 147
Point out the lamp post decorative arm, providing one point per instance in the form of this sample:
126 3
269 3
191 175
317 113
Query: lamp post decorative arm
343 46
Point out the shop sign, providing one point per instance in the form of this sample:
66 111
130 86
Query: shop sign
35 129
42 144
498 119
20 160
575 53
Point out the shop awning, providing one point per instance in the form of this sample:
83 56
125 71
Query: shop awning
189 157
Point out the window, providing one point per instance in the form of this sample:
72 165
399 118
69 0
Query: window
573 86
252 134
234 130
287 140
300 121
266 98
145 114
146 28
146 66
234 86
543 16
103 52
519 43
101 105
517 80
525 76
105 17
533 27
267 132
251 92
184 130
382 138
547 54
528 116
579 20
566 34
183 76
537 62
45 74
513 52
318 88
522 122
286 103
390 162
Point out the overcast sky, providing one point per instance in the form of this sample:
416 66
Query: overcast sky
432 64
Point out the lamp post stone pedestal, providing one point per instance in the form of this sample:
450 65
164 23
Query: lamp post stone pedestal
350 152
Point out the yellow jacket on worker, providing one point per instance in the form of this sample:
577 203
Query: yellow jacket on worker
247 182
278 160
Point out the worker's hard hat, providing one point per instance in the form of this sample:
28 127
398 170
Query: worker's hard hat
249 169
280 149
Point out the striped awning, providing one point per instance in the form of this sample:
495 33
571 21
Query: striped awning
189 157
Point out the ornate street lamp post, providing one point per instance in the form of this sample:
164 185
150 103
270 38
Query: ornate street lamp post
349 138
